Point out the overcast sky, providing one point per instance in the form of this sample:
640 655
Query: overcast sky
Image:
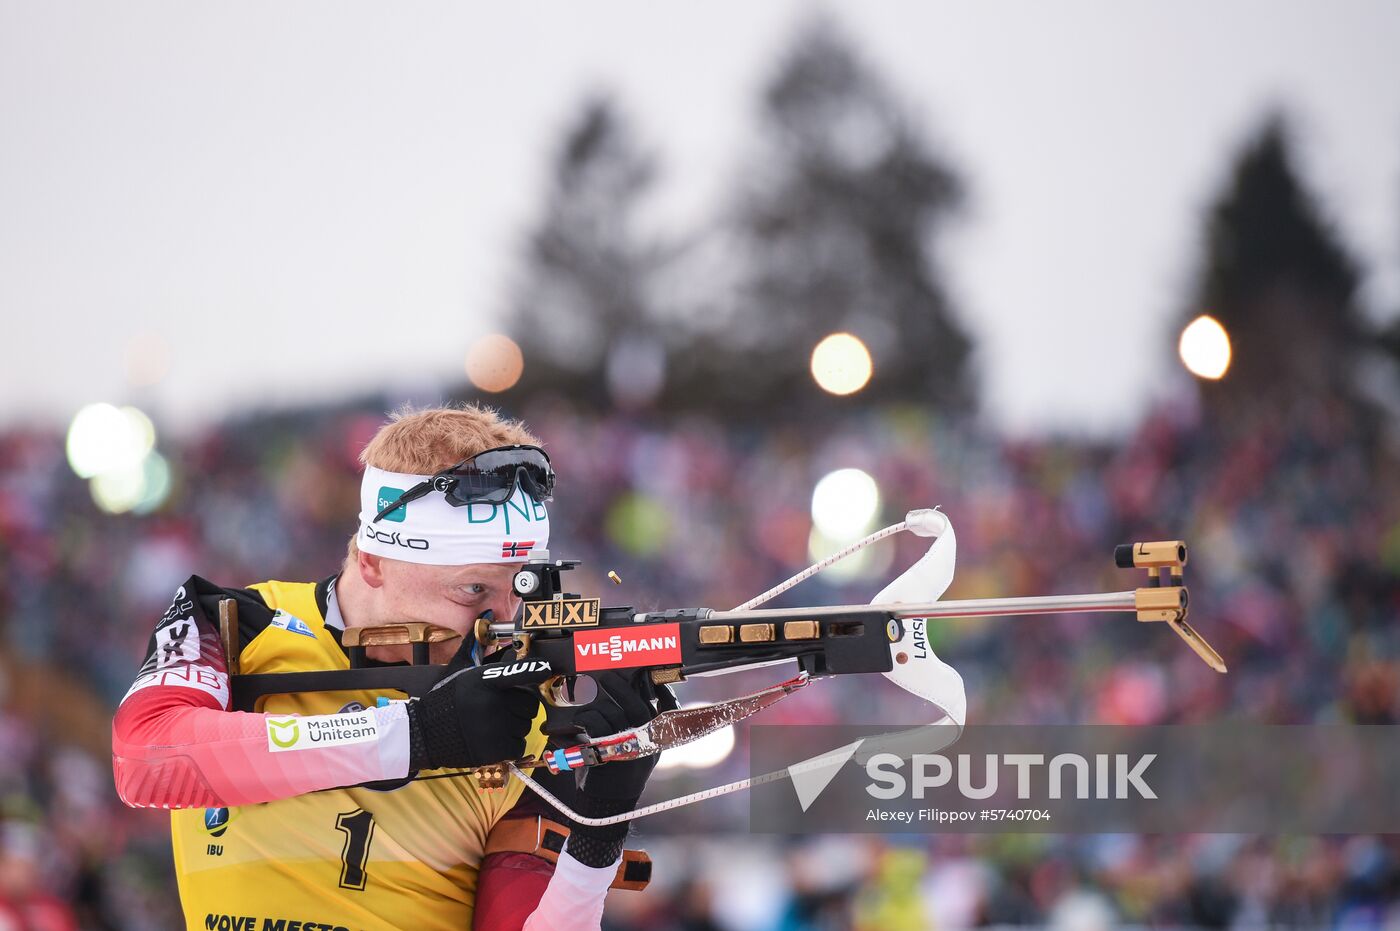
304 199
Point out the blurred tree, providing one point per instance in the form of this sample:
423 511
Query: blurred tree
582 306
833 230
1389 338
1276 275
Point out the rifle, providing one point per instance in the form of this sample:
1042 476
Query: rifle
577 636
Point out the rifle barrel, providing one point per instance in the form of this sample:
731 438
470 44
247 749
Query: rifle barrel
969 607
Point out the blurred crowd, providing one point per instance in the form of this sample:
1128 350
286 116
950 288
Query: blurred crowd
1294 524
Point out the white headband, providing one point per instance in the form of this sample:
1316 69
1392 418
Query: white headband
430 531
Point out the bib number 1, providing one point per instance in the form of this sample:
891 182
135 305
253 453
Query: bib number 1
358 826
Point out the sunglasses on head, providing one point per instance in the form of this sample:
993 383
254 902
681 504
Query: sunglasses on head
489 477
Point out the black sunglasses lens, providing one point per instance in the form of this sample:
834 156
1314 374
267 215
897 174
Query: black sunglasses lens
539 485
480 489
490 477
497 488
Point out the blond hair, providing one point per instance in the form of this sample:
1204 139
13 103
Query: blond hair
424 441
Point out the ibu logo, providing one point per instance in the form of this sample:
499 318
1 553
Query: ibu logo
388 496
216 821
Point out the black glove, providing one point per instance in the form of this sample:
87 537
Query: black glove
476 716
625 699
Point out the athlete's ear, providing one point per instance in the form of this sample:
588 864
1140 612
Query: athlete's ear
371 569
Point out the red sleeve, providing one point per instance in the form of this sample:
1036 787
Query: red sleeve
175 744
508 887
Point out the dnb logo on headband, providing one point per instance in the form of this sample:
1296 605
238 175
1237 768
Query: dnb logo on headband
441 532
521 509
387 496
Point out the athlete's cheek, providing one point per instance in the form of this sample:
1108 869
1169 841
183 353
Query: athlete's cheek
458 615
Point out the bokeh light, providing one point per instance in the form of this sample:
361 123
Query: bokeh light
862 564
844 503
140 488
117 491
495 363
1205 348
157 483
638 524
105 438
710 750
841 364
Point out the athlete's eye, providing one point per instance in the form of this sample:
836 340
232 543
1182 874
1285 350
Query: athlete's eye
476 588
